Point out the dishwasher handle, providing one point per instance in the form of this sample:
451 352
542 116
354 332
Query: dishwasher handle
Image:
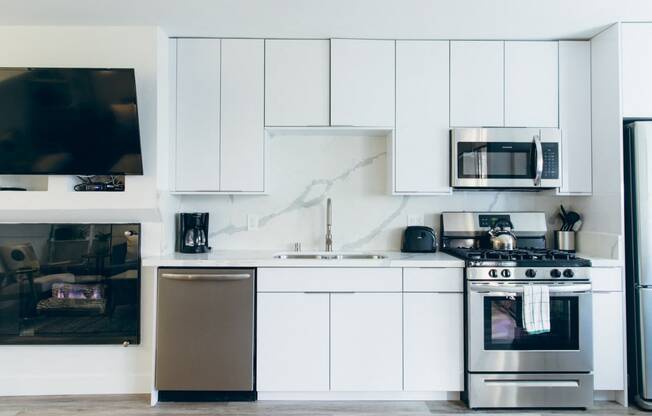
192 277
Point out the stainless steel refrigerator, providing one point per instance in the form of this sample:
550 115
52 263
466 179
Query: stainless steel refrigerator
638 242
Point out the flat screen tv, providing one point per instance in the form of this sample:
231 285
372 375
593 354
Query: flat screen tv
69 121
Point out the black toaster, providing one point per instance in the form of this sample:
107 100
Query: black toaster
419 239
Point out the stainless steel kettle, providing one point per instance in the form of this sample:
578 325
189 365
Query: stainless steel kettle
501 236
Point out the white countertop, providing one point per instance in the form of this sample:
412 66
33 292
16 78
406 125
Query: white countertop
253 258
601 261
261 258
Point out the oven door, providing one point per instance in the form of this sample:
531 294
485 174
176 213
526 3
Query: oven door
505 158
497 341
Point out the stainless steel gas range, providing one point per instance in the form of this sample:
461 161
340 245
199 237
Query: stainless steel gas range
507 366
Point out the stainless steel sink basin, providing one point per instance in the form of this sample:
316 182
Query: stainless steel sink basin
329 256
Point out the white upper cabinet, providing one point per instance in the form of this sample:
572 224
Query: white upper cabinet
636 67
575 117
297 82
362 82
531 84
421 144
243 136
220 140
477 83
197 115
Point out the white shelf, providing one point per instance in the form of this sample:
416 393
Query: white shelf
375 131
216 193
52 207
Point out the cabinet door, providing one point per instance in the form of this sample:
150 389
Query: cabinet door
422 135
575 116
433 342
477 83
531 84
608 341
297 82
198 115
366 342
243 136
362 82
636 65
292 342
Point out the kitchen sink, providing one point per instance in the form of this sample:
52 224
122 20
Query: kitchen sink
329 256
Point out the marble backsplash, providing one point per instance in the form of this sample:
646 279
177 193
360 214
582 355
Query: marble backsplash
306 170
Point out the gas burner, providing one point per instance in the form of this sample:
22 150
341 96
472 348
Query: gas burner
520 257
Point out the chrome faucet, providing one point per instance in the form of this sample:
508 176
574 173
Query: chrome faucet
329 225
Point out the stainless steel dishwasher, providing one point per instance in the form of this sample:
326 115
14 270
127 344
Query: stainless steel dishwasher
205 334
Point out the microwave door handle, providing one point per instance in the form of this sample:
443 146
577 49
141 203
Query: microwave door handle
539 162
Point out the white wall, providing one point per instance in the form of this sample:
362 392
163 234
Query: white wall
425 19
91 369
305 170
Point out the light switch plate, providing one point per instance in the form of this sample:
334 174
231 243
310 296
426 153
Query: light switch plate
252 222
415 219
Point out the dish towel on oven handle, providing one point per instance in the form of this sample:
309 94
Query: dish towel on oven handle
536 309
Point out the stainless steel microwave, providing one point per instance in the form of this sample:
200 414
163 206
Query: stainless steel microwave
516 158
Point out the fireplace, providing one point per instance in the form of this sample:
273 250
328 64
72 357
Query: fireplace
69 283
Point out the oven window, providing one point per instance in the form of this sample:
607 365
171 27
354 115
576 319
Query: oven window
498 160
503 325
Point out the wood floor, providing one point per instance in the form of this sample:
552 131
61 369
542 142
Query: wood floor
139 406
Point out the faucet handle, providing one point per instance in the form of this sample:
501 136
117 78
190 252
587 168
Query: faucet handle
297 247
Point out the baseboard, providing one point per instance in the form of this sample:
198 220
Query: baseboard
206 396
75 384
354 395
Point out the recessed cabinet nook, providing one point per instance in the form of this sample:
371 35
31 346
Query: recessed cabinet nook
231 94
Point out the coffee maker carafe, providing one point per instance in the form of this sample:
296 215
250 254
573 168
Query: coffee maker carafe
192 232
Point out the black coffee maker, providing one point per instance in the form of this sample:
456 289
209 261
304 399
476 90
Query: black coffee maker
192 232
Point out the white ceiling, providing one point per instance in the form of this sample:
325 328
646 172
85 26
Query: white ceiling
443 19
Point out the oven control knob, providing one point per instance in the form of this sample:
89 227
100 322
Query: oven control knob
555 273
530 272
493 273
569 273
506 273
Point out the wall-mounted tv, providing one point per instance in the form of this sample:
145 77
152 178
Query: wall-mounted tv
69 121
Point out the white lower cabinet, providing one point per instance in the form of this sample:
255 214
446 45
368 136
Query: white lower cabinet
340 330
433 341
292 342
366 331
608 341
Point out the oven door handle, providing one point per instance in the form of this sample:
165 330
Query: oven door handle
496 288
539 162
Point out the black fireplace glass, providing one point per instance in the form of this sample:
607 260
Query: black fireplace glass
69 283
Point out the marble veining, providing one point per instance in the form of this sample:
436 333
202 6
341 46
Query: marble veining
354 172
356 245
307 198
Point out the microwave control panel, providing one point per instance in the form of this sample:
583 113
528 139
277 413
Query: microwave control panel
550 160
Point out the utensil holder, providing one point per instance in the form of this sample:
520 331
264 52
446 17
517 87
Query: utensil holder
565 241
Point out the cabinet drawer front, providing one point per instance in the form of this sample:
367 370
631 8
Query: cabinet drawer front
607 279
433 280
327 279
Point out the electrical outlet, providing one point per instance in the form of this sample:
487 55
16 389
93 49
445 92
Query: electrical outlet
415 219
252 222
